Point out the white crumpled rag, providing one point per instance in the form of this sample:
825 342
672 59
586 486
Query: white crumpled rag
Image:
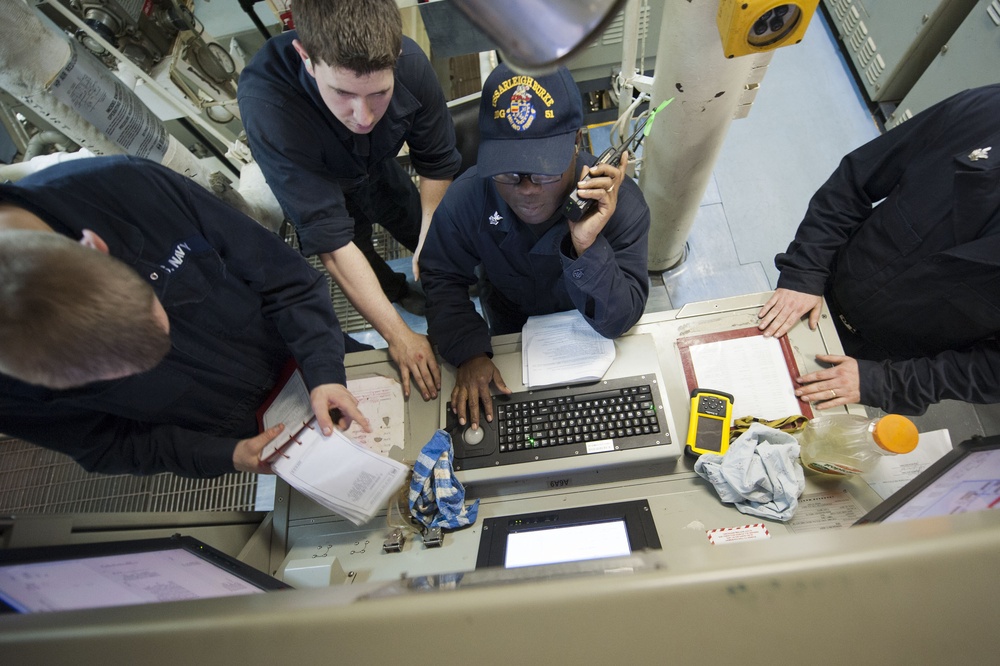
760 473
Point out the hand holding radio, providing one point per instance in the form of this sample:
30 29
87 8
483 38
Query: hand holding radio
598 189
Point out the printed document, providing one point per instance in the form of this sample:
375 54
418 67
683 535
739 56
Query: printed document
353 479
562 348
339 474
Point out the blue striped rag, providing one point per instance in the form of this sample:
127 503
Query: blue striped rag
436 496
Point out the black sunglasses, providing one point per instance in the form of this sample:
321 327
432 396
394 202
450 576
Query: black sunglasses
516 178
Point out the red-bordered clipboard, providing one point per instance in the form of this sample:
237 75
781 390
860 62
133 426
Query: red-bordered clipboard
684 347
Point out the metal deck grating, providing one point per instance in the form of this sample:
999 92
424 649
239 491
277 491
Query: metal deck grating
37 480
349 319
387 246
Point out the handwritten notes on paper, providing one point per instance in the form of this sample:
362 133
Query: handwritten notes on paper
380 399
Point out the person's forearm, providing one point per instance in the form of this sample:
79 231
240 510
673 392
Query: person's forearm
114 445
431 193
909 386
613 292
354 276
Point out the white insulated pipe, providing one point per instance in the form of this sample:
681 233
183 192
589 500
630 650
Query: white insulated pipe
684 143
31 57
61 81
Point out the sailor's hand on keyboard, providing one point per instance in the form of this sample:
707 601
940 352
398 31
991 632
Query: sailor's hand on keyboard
472 386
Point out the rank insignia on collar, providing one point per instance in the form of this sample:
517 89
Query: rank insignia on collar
980 154
495 218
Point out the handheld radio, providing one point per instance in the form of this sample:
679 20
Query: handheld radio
576 208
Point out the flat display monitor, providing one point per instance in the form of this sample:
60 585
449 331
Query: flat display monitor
567 535
965 479
121 573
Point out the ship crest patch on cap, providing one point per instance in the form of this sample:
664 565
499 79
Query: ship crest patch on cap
520 111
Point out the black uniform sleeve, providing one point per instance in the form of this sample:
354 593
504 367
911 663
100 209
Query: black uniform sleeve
910 386
447 270
609 284
113 445
865 176
431 138
284 143
295 296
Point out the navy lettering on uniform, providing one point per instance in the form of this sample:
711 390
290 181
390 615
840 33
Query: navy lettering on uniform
180 252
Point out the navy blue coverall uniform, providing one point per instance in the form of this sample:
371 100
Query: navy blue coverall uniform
914 283
527 275
240 304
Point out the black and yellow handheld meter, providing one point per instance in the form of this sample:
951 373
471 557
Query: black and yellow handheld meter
711 417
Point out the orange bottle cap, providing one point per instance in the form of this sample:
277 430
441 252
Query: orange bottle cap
896 433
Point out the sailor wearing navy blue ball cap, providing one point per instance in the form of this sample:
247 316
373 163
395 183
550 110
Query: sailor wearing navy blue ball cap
505 215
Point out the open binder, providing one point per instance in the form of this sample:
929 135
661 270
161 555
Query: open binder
334 471
338 473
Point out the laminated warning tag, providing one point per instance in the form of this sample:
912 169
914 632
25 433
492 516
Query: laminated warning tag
735 534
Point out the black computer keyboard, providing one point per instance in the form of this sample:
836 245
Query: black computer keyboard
551 423
572 419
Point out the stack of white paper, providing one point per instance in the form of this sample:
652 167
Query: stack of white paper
563 348
341 475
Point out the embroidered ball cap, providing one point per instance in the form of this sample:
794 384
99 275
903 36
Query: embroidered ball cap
528 124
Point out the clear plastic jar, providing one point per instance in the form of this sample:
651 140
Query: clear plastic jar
845 444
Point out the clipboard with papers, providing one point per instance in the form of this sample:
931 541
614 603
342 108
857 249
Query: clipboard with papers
758 371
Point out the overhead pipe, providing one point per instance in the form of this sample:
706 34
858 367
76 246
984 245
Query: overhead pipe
60 80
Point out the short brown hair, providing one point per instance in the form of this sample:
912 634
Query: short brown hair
71 315
363 36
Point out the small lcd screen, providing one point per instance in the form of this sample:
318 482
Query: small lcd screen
124 573
567 544
709 435
571 534
972 484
